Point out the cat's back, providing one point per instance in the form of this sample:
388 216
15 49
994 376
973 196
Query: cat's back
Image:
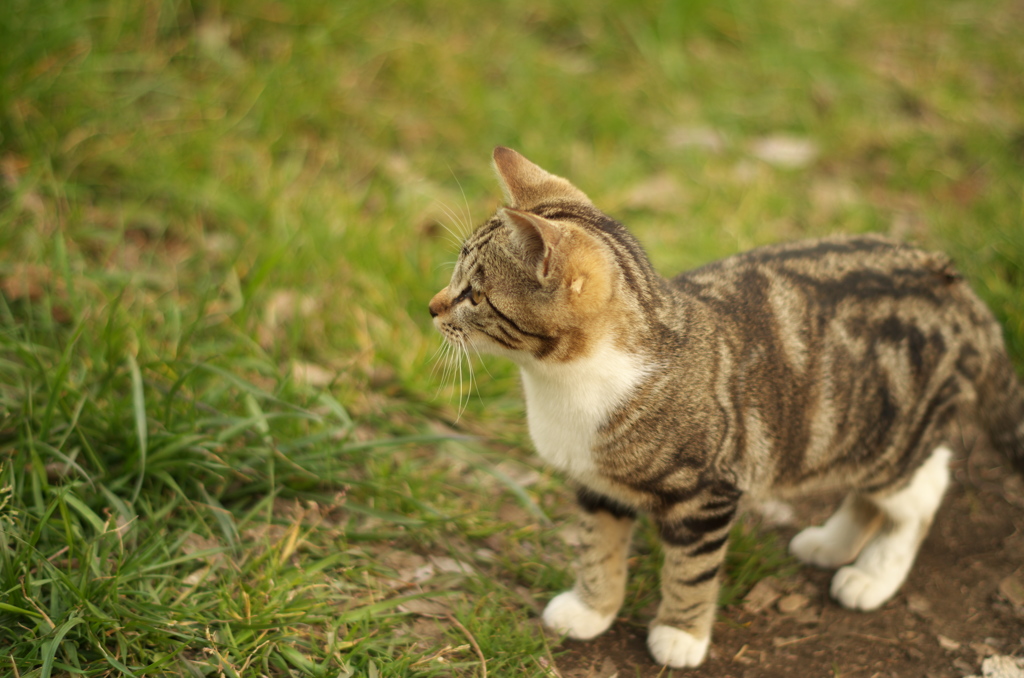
851 259
859 275
838 345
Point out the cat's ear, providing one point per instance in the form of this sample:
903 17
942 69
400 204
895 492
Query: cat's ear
536 237
526 184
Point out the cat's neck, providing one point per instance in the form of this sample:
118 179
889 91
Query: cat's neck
606 368
566 403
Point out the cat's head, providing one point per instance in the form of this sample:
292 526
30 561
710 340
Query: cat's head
537 280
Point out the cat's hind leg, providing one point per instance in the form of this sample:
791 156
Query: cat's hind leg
842 537
885 561
589 608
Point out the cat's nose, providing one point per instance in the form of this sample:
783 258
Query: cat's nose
438 303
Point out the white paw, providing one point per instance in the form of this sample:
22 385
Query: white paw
858 589
567 614
821 547
676 648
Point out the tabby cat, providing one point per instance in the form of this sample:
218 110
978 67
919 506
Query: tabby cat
840 363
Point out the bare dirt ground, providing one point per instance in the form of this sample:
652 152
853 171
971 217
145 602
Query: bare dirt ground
960 603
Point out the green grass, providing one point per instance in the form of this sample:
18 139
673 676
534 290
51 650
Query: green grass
224 445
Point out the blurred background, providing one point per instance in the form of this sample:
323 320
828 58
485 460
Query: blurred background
228 439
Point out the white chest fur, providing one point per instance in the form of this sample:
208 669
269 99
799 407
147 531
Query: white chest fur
567 403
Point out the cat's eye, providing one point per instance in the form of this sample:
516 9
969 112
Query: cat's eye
474 295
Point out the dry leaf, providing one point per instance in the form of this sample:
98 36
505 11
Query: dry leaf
694 137
832 194
1012 588
760 597
787 152
194 544
792 603
446 564
281 308
310 374
427 607
427 630
660 192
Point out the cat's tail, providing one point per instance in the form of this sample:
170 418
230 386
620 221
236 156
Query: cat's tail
1001 403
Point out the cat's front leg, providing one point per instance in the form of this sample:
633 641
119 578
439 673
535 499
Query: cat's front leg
695 540
589 608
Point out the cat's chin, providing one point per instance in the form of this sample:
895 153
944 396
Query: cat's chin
568 615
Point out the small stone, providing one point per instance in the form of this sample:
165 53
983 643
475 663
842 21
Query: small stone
1012 589
948 643
919 605
793 602
704 138
807 617
608 669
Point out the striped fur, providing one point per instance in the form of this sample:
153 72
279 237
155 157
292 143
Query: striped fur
840 363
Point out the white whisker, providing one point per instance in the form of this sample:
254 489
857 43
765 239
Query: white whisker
472 377
469 212
449 368
450 239
484 364
462 231
445 264
447 380
438 354
458 410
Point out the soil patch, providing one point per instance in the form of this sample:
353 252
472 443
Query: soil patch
960 604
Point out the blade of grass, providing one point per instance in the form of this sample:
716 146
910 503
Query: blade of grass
14 609
57 386
141 427
51 646
84 511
